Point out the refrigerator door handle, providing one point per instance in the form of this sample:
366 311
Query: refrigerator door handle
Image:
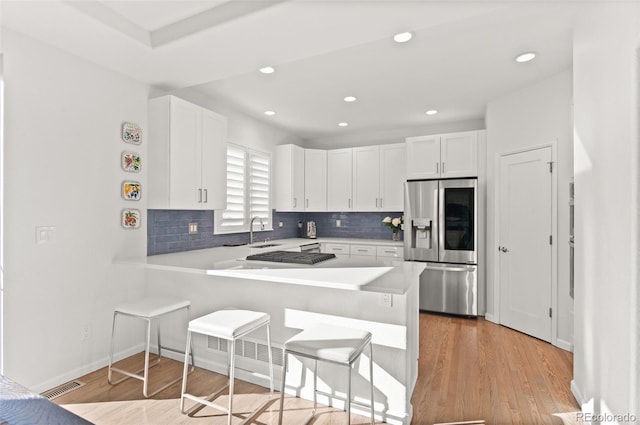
456 268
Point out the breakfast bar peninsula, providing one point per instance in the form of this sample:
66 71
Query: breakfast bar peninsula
377 295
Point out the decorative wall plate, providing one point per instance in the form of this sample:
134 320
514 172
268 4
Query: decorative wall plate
130 162
130 218
131 191
131 133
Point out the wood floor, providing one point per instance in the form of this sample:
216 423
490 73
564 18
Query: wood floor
469 370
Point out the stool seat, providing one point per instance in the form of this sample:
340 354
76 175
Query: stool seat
332 344
329 343
149 310
152 307
228 324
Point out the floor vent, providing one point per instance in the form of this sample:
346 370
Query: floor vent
251 349
62 389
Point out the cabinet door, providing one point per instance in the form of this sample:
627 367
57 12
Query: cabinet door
289 177
392 176
185 165
339 179
315 179
459 154
366 178
214 160
423 157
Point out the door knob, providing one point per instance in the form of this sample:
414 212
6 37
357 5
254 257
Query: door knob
503 249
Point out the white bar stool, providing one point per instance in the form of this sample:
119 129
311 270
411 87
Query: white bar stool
148 309
230 325
331 344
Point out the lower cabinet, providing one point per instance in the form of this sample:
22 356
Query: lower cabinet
363 250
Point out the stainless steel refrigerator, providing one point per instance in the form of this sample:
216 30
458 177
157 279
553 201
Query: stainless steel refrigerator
440 228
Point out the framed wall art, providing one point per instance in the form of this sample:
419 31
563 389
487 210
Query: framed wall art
130 218
130 162
131 191
131 133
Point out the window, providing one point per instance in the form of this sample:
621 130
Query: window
248 191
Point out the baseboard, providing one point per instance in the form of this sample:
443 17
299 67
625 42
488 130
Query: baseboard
83 370
491 318
577 394
565 345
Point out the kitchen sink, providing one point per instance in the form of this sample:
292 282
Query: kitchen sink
266 245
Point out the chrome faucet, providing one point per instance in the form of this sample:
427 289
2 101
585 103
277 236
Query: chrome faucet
251 228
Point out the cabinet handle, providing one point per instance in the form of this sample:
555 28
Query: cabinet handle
442 167
349 202
307 204
295 202
376 202
206 196
199 196
381 203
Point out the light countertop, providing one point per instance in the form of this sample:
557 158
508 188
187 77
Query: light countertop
393 276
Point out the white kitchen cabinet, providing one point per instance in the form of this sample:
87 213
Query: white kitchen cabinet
442 155
393 174
315 180
187 156
289 177
363 250
339 179
386 251
378 177
339 249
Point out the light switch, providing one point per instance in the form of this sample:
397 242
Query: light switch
45 234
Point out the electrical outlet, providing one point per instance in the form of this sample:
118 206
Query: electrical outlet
338 223
281 224
85 333
386 300
193 228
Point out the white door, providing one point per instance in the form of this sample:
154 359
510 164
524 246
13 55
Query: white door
423 157
459 154
315 179
525 228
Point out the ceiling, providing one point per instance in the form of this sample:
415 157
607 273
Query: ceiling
461 55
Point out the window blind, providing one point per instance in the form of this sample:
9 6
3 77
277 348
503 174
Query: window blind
248 190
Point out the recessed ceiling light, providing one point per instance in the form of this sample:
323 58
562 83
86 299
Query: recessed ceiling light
267 70
402 37
343 124
525 57
350 99
269 113
431 112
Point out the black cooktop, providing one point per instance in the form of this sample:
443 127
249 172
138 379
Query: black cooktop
292 257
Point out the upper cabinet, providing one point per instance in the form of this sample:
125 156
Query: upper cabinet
368 178
187 156
289 177
339 179
442 156
378 176
315 180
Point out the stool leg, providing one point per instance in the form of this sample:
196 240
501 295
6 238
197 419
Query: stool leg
189 345
284 378
185 370
270 360
159 343
113 334
231 378
146 360
315 387
371 381
348 401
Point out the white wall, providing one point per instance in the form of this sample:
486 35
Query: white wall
607 321
534 116
62 168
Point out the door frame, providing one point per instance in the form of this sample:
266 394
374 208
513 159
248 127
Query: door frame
554 234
